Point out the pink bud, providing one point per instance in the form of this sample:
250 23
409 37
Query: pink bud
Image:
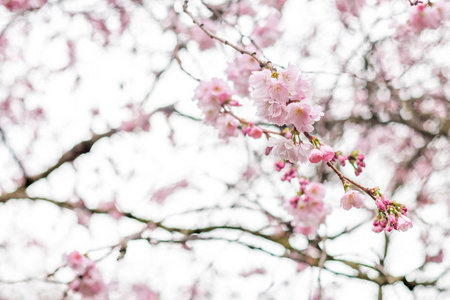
279 165
380 204
377 229
327 152
315 156
223 98
255 132
234 103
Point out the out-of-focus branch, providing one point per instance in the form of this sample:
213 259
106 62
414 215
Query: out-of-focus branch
77 150
262 63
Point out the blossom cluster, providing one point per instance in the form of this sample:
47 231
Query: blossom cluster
280 98
89 281
212 97
356 159
22 5
424 16
307 207
287 149
239 72
325 153
391 215
428 16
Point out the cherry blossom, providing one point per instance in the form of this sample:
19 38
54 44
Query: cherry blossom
352 199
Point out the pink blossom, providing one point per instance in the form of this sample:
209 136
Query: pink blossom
260 82
380 205
315 156
289 76
302 86
88 281
315 191
299 115
211 95
77 261
283 148
279 92
239 72
404 223
22 5
255 132
377 228
327 152
271 110
303 152
88 284
227 126
289 175
279 165
308 209
316 112
352 199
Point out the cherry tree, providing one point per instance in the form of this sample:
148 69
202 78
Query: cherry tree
229 149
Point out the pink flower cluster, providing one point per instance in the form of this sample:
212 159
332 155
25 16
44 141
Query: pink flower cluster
212 97
239 72
22 5
422 17
428 16
288 175
356 159
279 98
89 281
283 148
391 215
307 207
